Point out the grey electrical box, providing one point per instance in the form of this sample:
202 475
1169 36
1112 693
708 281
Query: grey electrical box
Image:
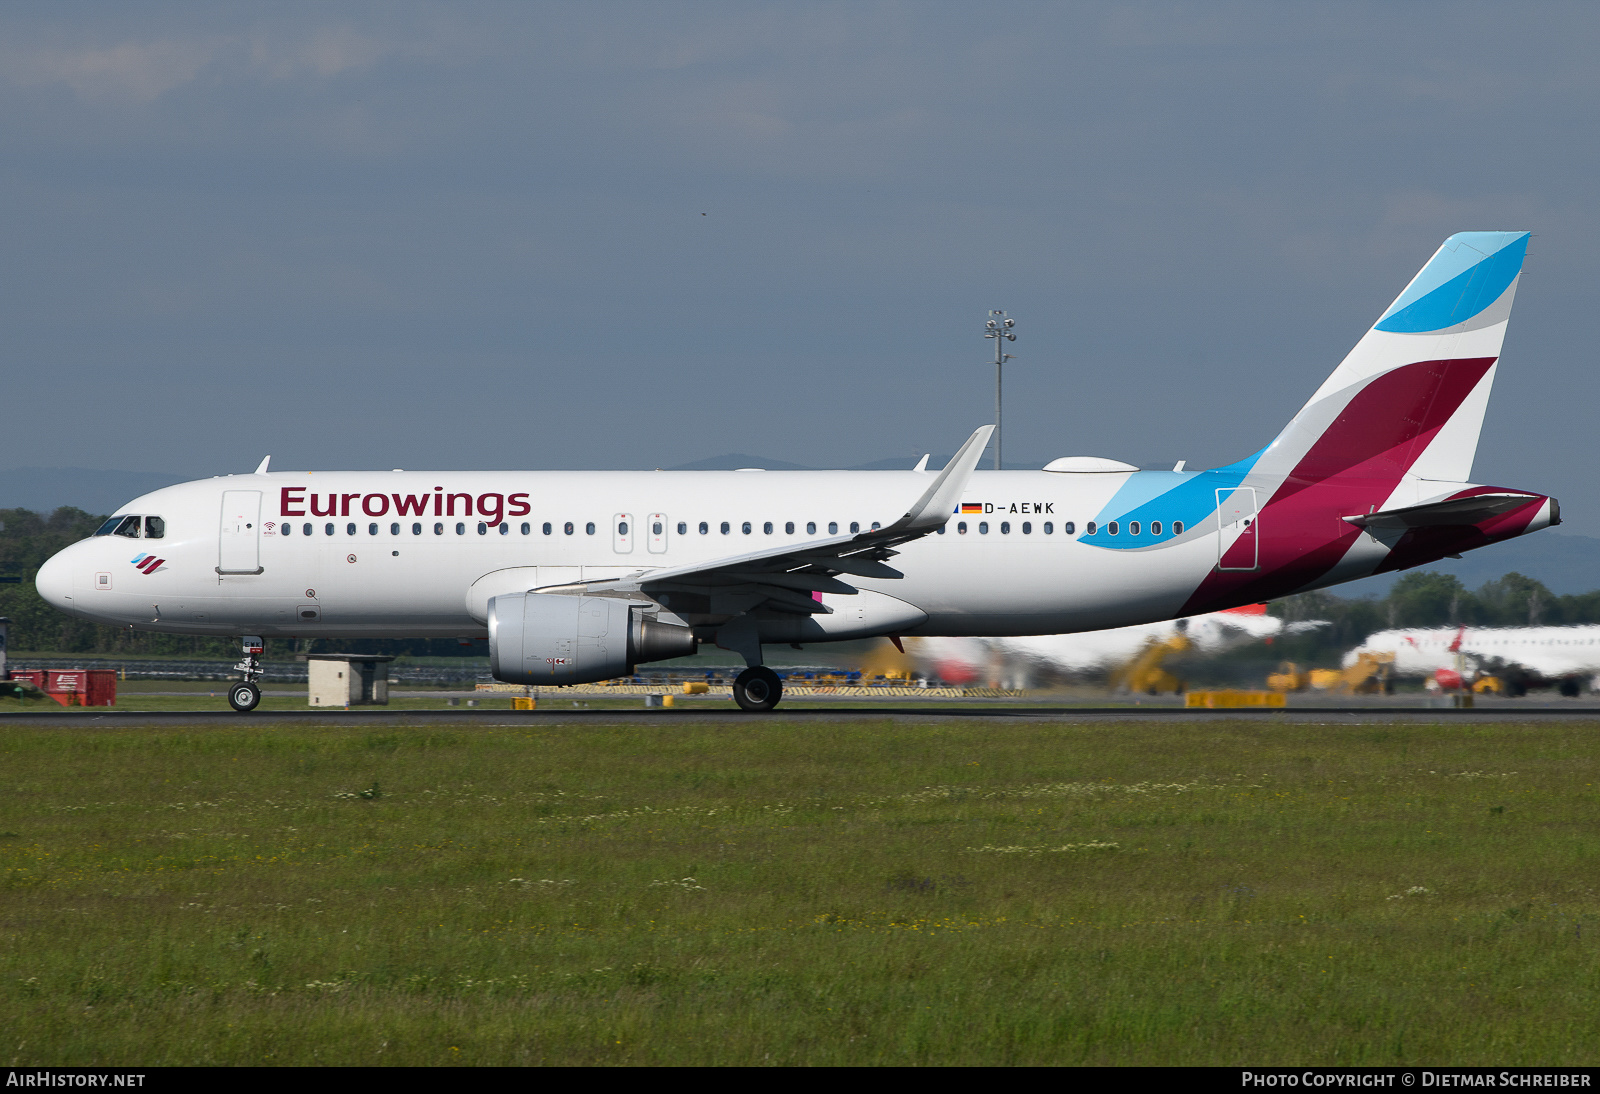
347 679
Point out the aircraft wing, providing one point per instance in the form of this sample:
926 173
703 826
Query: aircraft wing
784 578
1455 511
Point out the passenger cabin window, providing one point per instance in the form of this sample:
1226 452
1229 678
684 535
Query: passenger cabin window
438 528
372 529
327 529
1049 527
1089 528
1027 528
833 527
1133 527
983 527
461 528
288 529
546 528
683 528
1112 527
505 529
962 528
567 528
1068 528
588 529
1155 528
704 528
855 526
788 528
350 529
1177 527
416 529
746 527
767 528
394 529
526 528
811 527
154 527
305 529
1005 528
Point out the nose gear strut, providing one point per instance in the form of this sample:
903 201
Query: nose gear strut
246 695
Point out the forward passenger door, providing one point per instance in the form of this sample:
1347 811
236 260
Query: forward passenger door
239 539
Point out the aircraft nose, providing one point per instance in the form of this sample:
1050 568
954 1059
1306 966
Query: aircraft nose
54 582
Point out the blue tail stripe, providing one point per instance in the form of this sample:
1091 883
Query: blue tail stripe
1431 304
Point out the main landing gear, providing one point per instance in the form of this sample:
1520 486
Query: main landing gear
245 696
757 688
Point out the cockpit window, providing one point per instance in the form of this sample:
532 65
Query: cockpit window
129 527
108 527
154 527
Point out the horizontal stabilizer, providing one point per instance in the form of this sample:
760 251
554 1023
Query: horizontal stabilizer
1455 511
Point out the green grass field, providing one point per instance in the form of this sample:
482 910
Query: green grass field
773 892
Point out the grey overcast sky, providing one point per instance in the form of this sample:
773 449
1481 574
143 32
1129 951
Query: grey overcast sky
638 234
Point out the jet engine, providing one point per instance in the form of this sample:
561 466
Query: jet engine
538 638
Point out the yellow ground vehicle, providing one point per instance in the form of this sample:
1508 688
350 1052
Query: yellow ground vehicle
1145 672
1370 675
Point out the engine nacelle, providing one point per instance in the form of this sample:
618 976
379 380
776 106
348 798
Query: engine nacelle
538 638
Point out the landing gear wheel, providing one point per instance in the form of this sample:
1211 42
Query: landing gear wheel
244 697
757 689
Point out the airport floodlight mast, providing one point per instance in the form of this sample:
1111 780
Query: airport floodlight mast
999 328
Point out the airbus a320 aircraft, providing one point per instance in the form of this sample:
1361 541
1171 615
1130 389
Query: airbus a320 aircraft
1567 658
579 576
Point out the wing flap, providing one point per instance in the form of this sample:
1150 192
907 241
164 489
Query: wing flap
785 576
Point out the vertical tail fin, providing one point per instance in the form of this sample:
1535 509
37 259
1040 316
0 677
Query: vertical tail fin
1410 398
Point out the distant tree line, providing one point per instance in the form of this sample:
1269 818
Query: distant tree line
1426 600
27 539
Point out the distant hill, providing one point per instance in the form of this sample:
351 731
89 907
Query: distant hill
44 489
733 461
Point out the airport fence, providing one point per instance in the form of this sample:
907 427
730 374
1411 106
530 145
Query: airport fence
444 676
272 672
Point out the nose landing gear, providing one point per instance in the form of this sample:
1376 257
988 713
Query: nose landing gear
245 696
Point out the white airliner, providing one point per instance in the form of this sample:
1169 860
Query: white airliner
1523 657
578 576
1017 660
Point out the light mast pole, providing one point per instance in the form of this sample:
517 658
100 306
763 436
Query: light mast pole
999 328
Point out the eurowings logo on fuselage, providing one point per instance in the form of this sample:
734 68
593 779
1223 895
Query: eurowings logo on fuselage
149 564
